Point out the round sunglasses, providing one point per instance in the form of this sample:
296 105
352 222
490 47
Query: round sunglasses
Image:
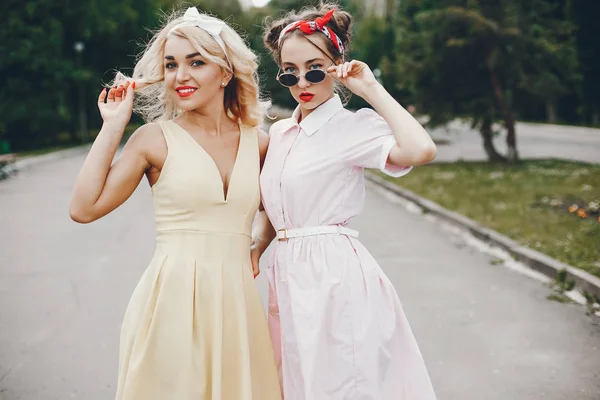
313 76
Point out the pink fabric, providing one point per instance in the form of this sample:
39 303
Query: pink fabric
337 325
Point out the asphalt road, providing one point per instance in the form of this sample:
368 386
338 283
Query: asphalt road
486 332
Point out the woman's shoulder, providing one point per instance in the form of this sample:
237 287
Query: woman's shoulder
147 131
364 118
364 114
147 136
263 142
149 128
355 118
281 126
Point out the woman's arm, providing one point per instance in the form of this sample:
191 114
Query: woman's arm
413 146
101 187
262 231
262 236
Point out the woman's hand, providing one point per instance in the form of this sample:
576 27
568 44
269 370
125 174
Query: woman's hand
119 105
355 75
255 258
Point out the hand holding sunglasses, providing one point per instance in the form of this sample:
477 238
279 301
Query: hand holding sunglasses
355 75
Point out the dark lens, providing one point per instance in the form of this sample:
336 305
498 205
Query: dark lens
288 79
315 76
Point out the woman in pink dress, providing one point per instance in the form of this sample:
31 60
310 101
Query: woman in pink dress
336 321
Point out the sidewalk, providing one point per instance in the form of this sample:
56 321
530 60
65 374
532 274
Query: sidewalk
28 161
533 141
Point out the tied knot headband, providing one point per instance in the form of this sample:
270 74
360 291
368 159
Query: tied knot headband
310 27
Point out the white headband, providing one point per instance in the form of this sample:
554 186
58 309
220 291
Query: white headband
211 25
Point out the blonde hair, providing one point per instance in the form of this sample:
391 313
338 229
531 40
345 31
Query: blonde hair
242 100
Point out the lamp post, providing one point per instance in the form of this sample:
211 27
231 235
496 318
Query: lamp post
79 47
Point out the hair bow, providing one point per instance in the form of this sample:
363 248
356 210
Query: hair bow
310 27
207 23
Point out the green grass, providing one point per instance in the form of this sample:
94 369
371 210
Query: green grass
528 202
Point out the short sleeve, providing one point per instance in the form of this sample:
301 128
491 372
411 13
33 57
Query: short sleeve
368 142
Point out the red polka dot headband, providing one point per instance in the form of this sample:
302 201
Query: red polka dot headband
310 27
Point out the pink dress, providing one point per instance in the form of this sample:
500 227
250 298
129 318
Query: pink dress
336 322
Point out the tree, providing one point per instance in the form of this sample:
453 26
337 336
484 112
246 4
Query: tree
40 69
584 15
466 58
32 70
368 46
548 59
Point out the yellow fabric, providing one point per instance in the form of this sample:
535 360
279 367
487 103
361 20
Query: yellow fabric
195 328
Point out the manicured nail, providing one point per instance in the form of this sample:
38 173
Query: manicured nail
133 85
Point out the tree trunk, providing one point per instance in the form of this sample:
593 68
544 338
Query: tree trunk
488 141
511 142
507 114
73 104
551 111
596 117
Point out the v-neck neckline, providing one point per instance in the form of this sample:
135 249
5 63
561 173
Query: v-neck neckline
224 193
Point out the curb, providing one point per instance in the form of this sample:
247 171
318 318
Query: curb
27 162
535 260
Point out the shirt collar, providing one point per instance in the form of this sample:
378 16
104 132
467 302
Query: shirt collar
320 115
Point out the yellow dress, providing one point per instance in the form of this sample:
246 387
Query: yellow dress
195 328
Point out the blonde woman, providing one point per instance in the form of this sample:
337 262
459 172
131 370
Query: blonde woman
195 327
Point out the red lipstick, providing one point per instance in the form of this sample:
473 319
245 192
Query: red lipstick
185 91
306 96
